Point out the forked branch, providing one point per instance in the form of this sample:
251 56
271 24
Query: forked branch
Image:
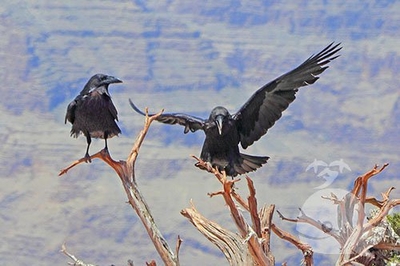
248 246
359 238
125 170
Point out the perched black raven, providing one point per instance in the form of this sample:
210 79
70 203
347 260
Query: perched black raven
93 113
225 131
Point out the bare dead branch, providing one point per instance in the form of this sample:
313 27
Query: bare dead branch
240 200
379 203
355 240
220 176
283 218
265 215
125 170
383 212
212 194
100 155
261 222
138 142
253 208
362 181
304 247
387 246
359 255
151 263
303 218
244 229
178 247
353 244
230 244
77 262
247 235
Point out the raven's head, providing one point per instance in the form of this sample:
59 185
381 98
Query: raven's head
99 82
219 115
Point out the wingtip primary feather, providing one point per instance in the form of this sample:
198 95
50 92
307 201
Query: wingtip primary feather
134 107
328 52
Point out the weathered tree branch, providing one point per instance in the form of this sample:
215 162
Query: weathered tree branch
220 176
77 262
266 214
245 230
357 240
255 246
230 244
303 218
354 244
304 247
125 170
255 218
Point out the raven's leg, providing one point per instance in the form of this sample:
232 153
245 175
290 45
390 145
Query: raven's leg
88 140
105 140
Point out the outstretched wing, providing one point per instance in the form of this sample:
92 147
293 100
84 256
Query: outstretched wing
191 123
266 105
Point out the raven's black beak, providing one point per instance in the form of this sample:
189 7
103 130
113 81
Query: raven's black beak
111 79
107 81
219 121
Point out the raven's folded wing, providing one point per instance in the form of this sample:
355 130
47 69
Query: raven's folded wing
111 108
70 115
266 105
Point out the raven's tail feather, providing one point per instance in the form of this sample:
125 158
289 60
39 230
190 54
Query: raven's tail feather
246 163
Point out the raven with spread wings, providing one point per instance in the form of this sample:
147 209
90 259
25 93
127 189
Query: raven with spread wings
224 131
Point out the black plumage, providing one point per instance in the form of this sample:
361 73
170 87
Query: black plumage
93 113
225 131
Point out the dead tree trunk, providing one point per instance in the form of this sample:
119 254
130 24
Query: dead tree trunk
251 245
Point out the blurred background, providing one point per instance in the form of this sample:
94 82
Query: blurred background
186 56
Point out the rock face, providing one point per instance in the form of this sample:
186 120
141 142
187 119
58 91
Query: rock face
184 57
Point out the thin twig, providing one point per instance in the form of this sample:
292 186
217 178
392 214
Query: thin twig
77 262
